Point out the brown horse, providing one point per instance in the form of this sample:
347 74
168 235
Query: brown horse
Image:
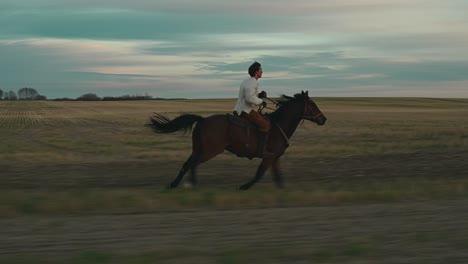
214 134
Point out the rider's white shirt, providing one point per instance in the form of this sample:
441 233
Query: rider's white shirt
248 99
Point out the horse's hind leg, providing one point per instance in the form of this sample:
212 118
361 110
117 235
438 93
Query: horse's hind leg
200 158
187 165
277 175
266 163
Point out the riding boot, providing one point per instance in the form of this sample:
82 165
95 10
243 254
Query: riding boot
262 150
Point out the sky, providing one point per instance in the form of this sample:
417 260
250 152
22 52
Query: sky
203 48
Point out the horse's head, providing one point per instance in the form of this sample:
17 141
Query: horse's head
311 110
298 107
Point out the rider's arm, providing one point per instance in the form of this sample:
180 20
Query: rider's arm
251 94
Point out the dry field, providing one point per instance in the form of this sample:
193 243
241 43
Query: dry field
384 181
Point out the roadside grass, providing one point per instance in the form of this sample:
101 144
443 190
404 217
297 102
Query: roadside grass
127 201
346 253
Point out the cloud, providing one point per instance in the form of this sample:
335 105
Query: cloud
128 24
203 48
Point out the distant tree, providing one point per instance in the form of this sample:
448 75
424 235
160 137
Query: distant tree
64 99
27 93
1 94
10 95
40 97
89 97
148 97
110 98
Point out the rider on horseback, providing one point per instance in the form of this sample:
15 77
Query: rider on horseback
248 100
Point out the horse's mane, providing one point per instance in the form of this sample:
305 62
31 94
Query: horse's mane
284 102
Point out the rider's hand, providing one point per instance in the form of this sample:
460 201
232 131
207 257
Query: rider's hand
262 94
264 104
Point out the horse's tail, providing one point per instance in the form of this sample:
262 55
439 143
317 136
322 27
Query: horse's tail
162 124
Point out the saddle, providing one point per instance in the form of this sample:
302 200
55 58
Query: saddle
240 121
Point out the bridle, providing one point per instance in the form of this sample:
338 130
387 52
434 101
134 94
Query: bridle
304 116
310 117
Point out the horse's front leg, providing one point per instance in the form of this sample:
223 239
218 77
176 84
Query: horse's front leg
277 175
266 163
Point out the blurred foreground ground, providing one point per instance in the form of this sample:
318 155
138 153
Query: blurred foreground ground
410 232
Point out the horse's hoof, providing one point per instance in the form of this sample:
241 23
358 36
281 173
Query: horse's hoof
188 185
171 186
280 185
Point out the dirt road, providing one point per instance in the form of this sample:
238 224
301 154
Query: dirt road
413 232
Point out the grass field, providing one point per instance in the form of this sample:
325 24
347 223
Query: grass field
384 181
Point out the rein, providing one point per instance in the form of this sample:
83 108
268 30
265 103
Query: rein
304 116
282 133
276 103
269 108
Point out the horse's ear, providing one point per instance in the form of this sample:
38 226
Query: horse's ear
307 93
302 91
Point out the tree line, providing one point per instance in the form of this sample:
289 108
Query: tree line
95 97
32 94
25 93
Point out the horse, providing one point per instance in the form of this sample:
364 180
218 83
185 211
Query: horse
216 133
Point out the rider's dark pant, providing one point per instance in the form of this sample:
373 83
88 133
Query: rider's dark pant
262 123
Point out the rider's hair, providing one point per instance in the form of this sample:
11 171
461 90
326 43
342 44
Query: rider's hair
254 68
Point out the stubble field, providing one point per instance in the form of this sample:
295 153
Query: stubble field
384 181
